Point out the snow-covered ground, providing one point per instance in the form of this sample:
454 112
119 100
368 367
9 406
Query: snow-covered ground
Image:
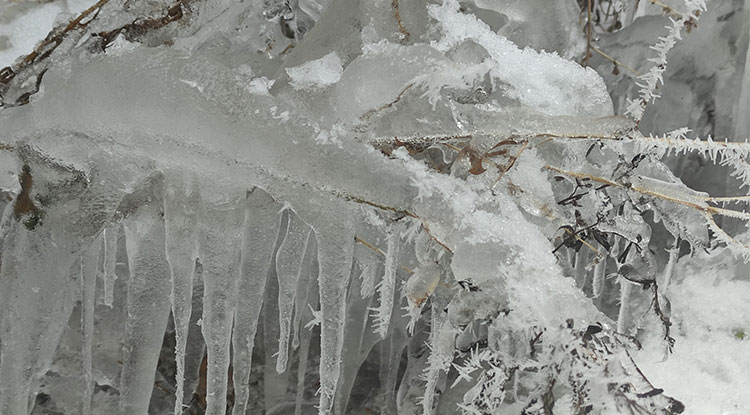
709 370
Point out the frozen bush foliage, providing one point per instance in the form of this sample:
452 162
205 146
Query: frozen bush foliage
352 206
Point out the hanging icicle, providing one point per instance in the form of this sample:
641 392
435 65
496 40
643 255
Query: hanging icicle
260 227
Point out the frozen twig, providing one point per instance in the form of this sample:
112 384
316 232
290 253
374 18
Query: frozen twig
650 81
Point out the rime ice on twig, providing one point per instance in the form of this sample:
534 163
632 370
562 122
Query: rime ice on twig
650 81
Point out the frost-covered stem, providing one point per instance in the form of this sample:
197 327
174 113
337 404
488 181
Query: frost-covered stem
626 288
738 248
655 75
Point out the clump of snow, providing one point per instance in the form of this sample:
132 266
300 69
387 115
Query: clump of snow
260 86
711 326
540 80
120 46
317 73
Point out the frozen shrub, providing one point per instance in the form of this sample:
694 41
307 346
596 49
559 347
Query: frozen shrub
233 207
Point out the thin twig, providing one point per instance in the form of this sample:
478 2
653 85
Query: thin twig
379 252
372 112
575 235
615 61
711 210
665 8
56 39
402 212
510 164
405 35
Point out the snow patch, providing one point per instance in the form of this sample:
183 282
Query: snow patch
317 73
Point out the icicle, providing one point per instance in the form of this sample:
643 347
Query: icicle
219 246
442 344
181 223
359 339
600 272
110 253
148 295
391 351
669 269
626 288
288 269
306 286
274 383
195 349
305 336
581 258
387 287
369 274
335 251
38 289
260 229
89 263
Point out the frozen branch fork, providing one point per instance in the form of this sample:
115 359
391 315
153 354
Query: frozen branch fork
207 177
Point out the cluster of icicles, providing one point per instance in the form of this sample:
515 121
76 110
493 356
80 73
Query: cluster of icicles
235 244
